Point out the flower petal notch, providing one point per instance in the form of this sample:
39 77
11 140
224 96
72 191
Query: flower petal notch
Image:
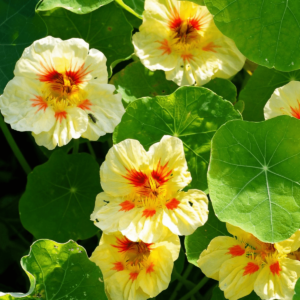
284 101
180 38
134 269
60 92
253 179
243 263
142 192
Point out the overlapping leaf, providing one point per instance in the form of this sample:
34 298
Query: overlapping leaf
254 179
135 7
60 196
259 89
60 271
266 32
19 27
191 113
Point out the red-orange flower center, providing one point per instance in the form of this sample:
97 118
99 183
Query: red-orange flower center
236 250
295 111
275 268
250 268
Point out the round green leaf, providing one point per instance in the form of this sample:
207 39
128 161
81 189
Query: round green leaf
60 196
149 83
191 113
266 32
60 271
19 27
297 290
105 29
136 7
81 7
200 239
254 179
259 89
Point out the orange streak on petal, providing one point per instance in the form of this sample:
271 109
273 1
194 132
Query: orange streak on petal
236 250
150 269
165 47
148 213
161 173
175 20
60 115
173 204
39 102
48 74
250 268
136 178
295 112
211 47
133 276
77 75
118 266
275 268
187 57
126 206
123 244
86 104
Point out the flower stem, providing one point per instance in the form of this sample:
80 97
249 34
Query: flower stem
195 289
75 146
188 284
91 149
14 147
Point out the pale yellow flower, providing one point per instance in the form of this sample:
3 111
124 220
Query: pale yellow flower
243 264
135 270
180 37
142 192
60 92
284 101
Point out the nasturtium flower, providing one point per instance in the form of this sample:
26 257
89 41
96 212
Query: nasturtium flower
134 269
180 37
142 195
60 92
243 263
284 101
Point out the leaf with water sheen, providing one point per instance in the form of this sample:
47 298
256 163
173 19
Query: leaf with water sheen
254 179
105 29
19 28
75 6
191 113
60 196
60 271
266 32
260 88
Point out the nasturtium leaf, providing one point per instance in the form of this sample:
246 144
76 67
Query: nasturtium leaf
200 239
259 89
132 19
191 113
19 27
60 196
136 81
223 88
240 106
135 7
254 179
75 6
105 29
219 295
266 32
60 271
297 290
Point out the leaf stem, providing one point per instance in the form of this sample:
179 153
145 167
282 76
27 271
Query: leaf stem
14 147
188 284
91 149
75 146
120 2
195 289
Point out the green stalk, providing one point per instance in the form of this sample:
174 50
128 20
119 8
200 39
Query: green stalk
75 146
90 147
14 147
195 289
188 284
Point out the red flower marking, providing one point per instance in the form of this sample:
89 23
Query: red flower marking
187 57
126 206
150 269
275 268
86 104
173 204
123 244
59 115
250 268
136 178
48 74
118 266
133 276
195 22
39 102
148 213
210 47
77 76
161 173
165 47
295 112
175 20
236 250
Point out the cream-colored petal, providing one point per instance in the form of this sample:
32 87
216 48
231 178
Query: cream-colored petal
191 212
290 245
96 63
172 243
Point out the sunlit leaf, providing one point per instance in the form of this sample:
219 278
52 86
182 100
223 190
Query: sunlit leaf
266 32
60 271
191 113
75 6
105 29
259 89
254 179
19 27
60 196
200 239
